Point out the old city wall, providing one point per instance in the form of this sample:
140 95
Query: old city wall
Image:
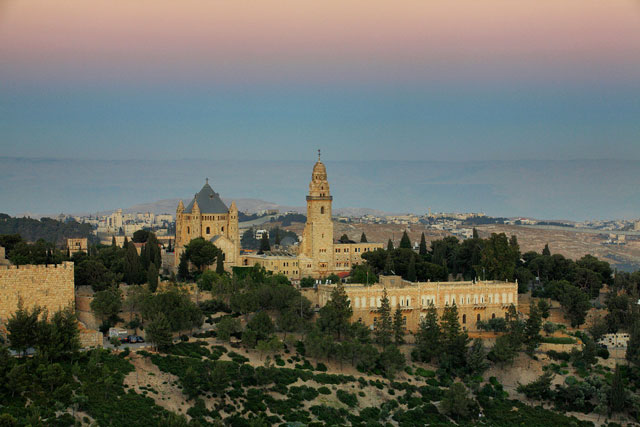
49 286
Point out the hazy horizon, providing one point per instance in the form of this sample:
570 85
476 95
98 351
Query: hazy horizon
544 189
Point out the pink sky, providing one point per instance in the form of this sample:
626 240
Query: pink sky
316 41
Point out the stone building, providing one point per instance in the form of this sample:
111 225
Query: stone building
78 245
475 301
208 217
318 255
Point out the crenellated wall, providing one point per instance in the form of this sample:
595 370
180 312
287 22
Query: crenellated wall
49 286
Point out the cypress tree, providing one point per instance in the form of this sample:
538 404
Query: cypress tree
131 265
389 245
398 327
152 277
363 238
277 240
113 241
264 244
423 245
220 262
388 266
411 271
384 326
405 242
546 251
183 268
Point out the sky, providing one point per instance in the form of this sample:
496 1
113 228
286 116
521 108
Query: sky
439 80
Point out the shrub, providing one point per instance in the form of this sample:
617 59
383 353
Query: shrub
347 398
558 340
321 367
324 390
425 373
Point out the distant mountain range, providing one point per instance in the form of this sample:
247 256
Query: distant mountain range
245 205
545 189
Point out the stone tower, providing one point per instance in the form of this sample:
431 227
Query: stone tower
317 237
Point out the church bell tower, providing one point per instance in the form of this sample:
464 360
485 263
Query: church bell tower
317 237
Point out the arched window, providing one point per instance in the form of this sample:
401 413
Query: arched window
493 316
478 317
188 230
322 210
464 318
222 229
208 230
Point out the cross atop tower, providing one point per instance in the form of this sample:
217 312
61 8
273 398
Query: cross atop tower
206 180
318 154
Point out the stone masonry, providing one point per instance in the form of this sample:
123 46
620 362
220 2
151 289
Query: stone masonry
49 286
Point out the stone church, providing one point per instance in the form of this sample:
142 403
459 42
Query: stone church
318 254
208 217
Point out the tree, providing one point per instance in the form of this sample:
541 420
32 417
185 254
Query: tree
389 245
220 263
398 327
344 238
540 389
264 244
262 325
201 253
532 328
388 265
113 241
335 316
269 345
107 304
140 236
457 404
544 307
423 245
307 282
158 332
411 272
428 337
22 327
477 358
183 268
546 251
226 327
152 277
132 268
454 340
363 238
391 360
405 242
617 393
633 346
92 272
384 324
575 304
277 241
363 273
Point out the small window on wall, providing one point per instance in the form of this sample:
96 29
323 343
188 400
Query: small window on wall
208 230
478 317
188 230
222 229
464 318
322 210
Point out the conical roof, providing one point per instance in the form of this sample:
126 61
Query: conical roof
208 201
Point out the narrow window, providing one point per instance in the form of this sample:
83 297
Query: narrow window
208 230
478 317
464 318
322 210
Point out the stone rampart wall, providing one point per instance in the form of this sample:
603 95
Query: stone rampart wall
49 286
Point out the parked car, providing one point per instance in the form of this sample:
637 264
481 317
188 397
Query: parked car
135 339
124 340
